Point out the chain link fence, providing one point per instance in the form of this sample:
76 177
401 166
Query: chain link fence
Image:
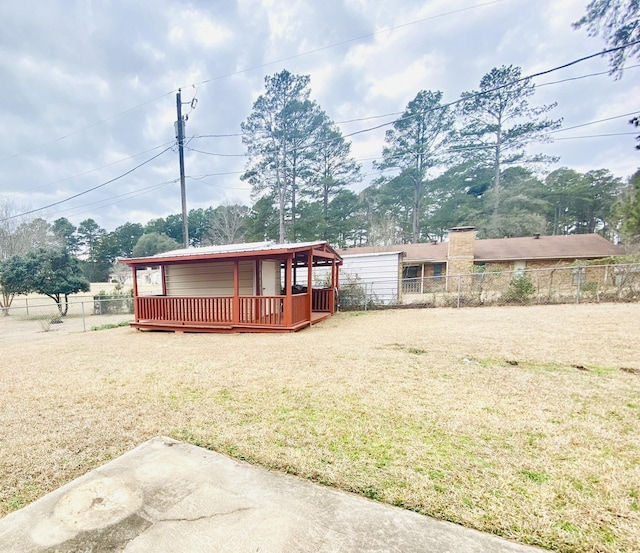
573 284
83 311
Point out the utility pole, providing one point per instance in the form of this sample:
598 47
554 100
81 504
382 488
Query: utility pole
183 190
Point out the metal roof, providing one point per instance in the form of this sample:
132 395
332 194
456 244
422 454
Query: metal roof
228 250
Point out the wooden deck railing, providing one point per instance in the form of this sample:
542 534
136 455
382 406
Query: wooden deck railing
245 310
263 310
252 310
214 309
300 309
322 300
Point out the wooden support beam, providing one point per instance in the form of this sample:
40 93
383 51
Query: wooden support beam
325 255
288 303
258 277
135 293
334 286
236 292
310 282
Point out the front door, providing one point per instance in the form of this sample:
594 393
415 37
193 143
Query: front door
270 278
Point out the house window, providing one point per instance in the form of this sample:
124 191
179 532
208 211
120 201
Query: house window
579 276
519 268
438 269
480 270
411 271
411 283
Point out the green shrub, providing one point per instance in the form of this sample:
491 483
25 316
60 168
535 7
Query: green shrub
520 290
118 301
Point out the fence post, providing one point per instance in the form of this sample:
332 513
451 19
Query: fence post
26 305
84 325
459 290
579 286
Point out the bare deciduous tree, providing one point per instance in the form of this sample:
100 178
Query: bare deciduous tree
228 224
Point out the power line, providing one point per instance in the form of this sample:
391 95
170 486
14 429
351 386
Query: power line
596 135
88 171
395 113
495 89
215 154
557 68
82 129
88 190
350 40
594 122
217 174
107 202
247 70
369 117
200 179
217 135
454 148
583 76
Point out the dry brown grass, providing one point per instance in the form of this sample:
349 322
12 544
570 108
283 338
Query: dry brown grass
479 416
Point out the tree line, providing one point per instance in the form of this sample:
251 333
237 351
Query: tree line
564 202
441 165
466 162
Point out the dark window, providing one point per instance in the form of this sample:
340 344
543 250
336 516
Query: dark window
411 271
438 269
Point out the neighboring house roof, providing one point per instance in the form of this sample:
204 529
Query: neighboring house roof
435 252
574 246
230 251
375 254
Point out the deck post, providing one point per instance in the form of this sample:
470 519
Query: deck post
163 279
258 276
236 292
334 288
135 292
310 281
288 303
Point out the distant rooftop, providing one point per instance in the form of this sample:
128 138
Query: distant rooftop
574 246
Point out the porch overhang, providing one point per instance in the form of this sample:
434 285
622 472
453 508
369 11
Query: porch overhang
290 307
254 250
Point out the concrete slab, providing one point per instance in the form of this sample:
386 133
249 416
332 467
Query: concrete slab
167 496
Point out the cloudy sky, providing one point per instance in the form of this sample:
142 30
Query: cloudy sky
89 88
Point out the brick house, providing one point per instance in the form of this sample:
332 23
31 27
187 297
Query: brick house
427 265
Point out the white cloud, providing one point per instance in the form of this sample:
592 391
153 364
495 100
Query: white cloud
190 25
101 75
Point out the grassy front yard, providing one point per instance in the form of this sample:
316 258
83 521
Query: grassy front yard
520 421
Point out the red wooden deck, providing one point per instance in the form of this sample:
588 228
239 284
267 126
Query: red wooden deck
233 313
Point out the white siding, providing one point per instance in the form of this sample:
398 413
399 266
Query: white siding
209 279
378 273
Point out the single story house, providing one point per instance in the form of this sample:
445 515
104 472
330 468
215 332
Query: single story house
251 287
421 266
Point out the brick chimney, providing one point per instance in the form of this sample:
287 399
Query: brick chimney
461 250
